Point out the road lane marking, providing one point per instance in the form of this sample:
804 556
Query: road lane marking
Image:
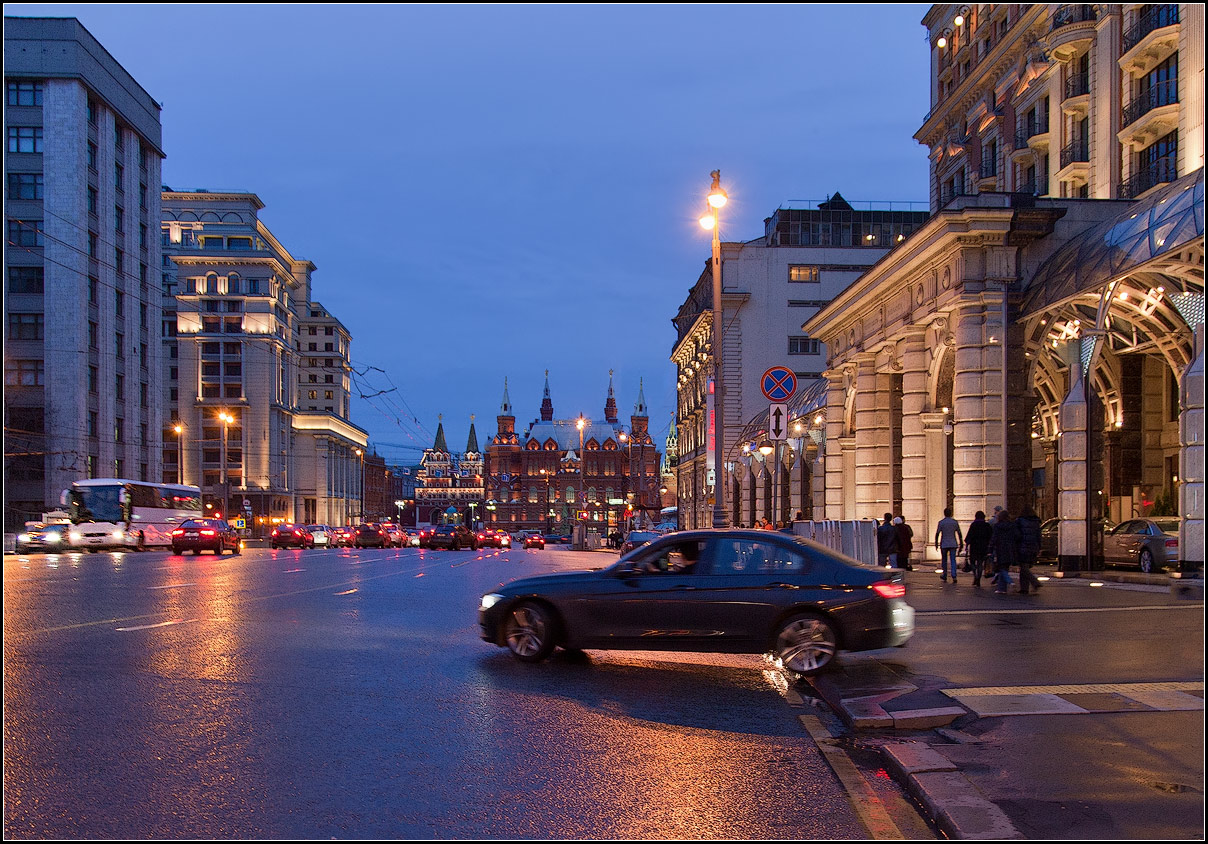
1198 607
153 626
172 586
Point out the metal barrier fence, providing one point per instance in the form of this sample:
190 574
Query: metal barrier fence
855 538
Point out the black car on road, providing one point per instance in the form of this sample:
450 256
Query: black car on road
291 536
738 591
370 535
199 535
453 538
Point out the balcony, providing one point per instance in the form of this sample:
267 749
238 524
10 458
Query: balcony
1152 38
1151 115
1158 172
987 175
1071 31
1076 152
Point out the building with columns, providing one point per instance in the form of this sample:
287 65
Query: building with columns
243 340
1039 342
770 285
558 471
82 371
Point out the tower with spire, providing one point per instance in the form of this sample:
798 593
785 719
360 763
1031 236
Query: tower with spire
449 488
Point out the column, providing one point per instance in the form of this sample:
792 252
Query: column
833 476
872 432
1191 460
1072 477
934 436
978 429
919 472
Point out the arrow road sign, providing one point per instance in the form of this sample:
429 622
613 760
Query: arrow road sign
778 421
778 384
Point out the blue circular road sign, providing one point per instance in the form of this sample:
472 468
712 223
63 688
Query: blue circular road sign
778 384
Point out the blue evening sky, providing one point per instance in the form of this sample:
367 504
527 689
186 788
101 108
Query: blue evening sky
497 190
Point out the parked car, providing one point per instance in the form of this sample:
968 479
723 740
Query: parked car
51 538
412 538
494 539
1151 543
199 535
343 537
453 538
532 539
713 591
291 536
322 534
371 535
636 538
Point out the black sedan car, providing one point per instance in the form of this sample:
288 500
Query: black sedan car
453 538
291 536
199 535
371 535
738 591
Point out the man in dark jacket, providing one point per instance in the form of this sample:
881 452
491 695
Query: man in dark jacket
1004 542
1029 549
887 543
977 545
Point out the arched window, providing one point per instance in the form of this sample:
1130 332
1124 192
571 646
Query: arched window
570 495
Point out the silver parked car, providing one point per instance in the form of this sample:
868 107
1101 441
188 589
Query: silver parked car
1150 543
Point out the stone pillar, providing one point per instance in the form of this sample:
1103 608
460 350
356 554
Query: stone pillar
936 430
873 449
818 481
1191 460
977 415
832 496
917 468
848 453
1073 476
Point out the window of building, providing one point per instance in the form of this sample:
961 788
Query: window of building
26 280
25 185
93 423
119 384
25 326
93 379
92 197
24 138
239 244
119 178
25 93
119 304
25 233
801 272
94 245
119 345
329 330
312 394
92 335
803 346
22 373
92 156
211 243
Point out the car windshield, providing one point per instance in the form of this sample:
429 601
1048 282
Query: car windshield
1167 525
198 523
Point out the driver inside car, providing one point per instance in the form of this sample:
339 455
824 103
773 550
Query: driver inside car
678 559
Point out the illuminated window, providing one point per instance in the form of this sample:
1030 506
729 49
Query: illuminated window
801 272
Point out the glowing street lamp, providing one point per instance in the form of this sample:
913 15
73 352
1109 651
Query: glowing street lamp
180 469
226 420
717 199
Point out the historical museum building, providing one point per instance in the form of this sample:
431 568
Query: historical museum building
559 471
1039 342
449 486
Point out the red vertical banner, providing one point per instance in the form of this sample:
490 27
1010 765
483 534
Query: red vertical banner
711 436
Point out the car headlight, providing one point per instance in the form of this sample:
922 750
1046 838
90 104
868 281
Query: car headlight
23 537
54 537
75 537
117 534
490 600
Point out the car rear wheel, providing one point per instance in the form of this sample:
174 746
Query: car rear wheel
528 631
1146 561
806 644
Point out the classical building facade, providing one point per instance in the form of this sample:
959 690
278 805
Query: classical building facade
559 471
257 373
449 486
82 371
770 285
1040 341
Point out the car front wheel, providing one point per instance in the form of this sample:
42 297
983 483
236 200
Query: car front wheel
528 631
806 644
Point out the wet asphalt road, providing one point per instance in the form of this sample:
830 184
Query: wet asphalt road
346 694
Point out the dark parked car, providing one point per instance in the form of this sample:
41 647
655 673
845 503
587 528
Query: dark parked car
371 535
397 538
199 535
1048 538
453 538
343 537
1151 543
739 591
291 536
532 539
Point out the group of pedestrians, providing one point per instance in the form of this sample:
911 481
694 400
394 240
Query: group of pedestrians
992 548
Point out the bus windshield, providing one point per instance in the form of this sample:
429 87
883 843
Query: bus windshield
96 504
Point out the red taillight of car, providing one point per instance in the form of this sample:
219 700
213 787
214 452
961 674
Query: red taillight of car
178 532
887 589
208 532
1172 543
276 532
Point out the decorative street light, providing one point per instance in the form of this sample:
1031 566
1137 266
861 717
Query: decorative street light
581 424
361 488
717 199
226 420
180 468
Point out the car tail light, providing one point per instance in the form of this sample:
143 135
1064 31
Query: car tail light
1172 543
207 532
178 532
889 589
276 532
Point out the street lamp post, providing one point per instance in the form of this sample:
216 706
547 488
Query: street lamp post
226 420
717 199
766 448
581 424
180 457
361 487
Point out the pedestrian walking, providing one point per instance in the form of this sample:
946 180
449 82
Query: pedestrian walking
887 543
905 543
1029 549
977 545
1004 543
948 540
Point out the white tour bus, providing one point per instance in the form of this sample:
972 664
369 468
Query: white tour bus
117 513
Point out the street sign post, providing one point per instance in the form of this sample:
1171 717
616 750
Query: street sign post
778 384
778 421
